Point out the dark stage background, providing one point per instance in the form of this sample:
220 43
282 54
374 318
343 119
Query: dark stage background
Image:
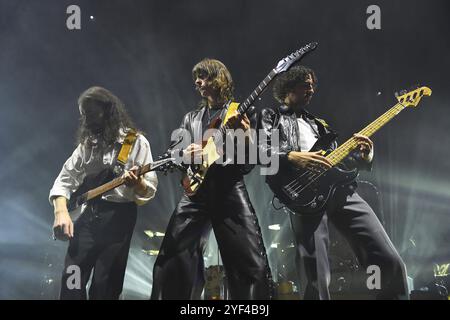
143 51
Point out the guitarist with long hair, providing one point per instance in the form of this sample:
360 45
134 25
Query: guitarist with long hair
298 132
108 146
221 203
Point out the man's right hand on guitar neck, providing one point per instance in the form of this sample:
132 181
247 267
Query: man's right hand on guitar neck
63 225
313 161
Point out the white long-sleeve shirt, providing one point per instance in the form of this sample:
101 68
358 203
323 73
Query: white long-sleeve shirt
308 134
86 160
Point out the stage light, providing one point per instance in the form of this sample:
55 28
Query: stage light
151 252
149 233
442 270
152 234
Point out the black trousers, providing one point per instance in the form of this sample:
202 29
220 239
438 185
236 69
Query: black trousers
357 222
179 268
101 243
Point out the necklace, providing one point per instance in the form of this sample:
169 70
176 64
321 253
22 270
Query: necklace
214 115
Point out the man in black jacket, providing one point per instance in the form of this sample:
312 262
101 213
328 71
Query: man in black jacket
221 203
298 131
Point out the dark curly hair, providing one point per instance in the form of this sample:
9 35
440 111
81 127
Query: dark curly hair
116 118
286 82
216 72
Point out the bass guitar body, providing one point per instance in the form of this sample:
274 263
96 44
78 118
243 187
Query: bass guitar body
306 192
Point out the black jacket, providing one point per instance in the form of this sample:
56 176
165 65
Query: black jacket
193 125
285 120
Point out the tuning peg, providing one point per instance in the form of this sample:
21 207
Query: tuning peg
400 93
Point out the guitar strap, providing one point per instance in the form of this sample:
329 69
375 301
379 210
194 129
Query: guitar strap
124 153
127 144
230 111
322 125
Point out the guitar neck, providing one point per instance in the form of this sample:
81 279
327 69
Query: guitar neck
337 155
244 106
93 193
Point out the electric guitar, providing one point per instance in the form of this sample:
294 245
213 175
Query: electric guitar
211 148
96 185
306 192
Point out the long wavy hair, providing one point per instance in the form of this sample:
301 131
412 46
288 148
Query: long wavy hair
116 117
287 81
216 72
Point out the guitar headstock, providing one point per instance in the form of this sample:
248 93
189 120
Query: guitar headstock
413 97
286 63
164 164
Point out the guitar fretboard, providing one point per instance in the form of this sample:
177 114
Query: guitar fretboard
244 106
112 184
343 151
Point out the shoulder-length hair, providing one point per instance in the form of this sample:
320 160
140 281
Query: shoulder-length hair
216 72
116 117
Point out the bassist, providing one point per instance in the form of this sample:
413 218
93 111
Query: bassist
352 216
